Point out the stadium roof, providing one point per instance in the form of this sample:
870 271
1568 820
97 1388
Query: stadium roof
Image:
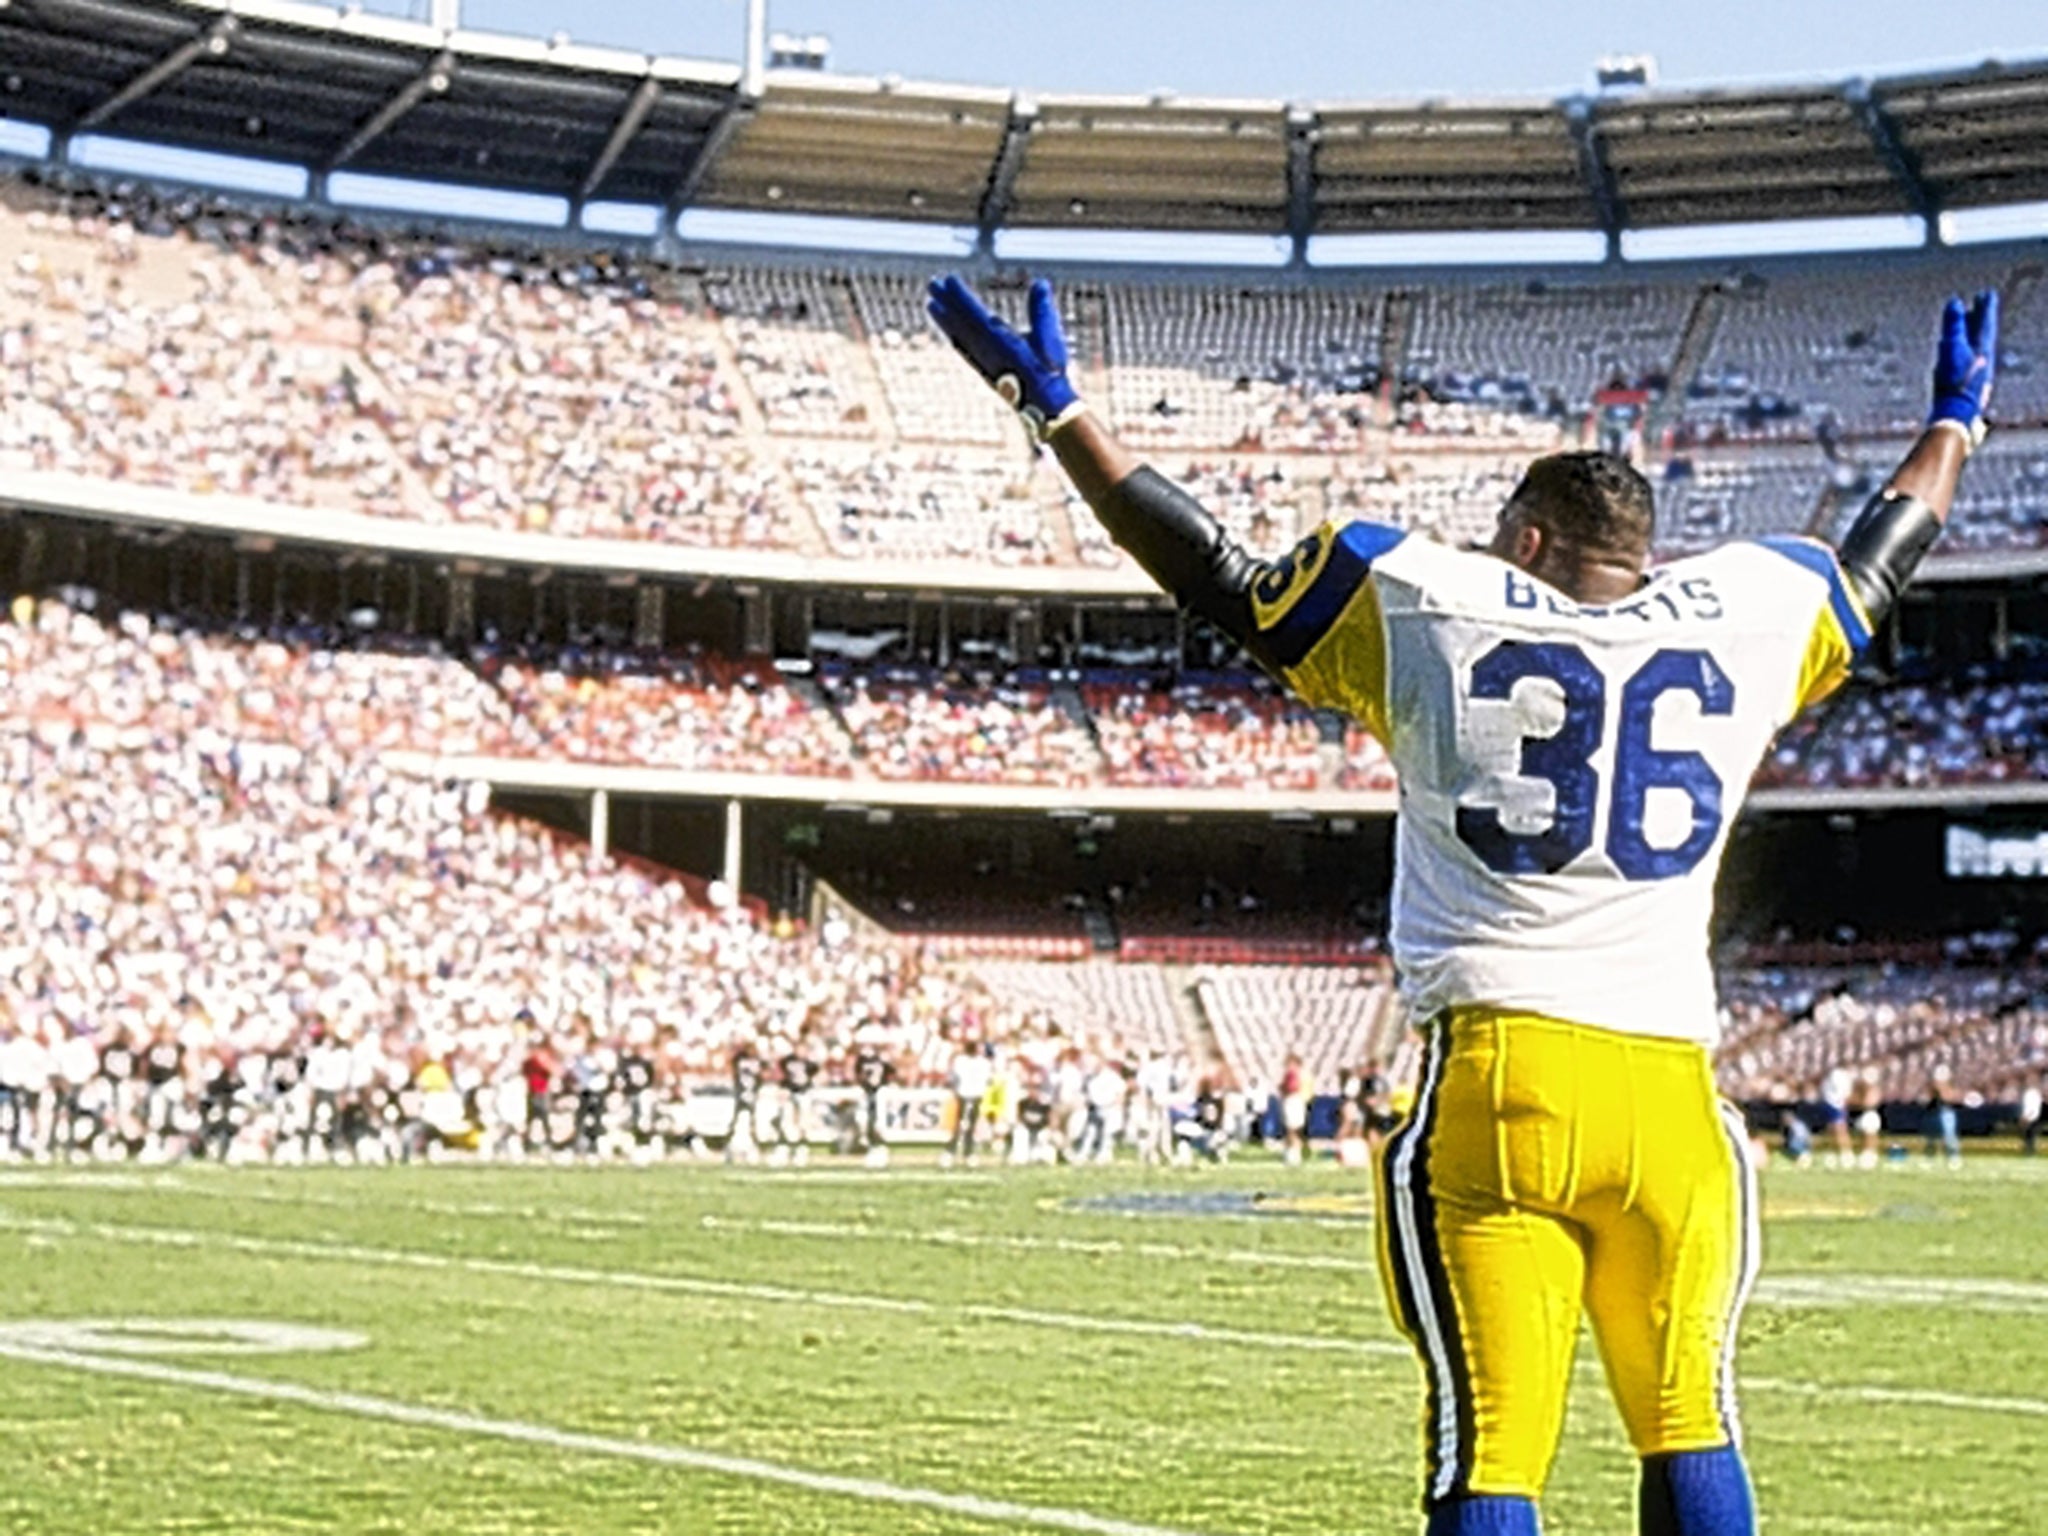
328 89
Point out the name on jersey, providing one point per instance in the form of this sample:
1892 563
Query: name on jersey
1693 598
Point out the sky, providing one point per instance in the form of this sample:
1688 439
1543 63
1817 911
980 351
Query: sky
1312 50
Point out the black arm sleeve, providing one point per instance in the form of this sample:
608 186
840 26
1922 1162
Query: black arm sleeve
1884 547
1186 551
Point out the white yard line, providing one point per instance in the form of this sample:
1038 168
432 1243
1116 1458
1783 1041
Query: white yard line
569 1215
1818 1289
1811 1290
1202 1333
1798 1290
43 1178
387 1410
406 1258
342 1253
939 1237
1107 1247
1911 1397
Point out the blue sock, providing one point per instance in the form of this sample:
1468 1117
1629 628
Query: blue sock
1484 1514
1696 1493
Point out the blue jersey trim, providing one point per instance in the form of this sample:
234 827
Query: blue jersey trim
1819 559
1358 545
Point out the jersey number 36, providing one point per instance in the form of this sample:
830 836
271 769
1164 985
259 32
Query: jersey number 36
1564 760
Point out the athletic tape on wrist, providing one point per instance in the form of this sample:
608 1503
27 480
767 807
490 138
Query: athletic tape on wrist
1066 418
1971 434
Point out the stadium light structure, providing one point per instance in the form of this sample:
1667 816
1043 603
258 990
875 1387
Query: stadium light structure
1151 247
1774 237
28 141
822 232
441 199
1660 174
631 221
164 162
1981 226
1625 72
755 44
1504 247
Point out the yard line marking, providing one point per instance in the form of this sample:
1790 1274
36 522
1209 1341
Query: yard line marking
1913 1397
22 1178
1074 1322
1809 1290
1819 1289
1164 1329
1805 1291
852 1175
946 1237
406 1258
565 1215
690 1458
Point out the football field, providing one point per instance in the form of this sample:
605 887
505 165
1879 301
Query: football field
1118 1350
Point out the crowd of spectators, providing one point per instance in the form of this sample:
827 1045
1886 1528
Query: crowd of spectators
178 340
261 932
231 927
1912 735
701 712
684 713
908 724
1904 1032
1241 368
958 503
1204 733
174 341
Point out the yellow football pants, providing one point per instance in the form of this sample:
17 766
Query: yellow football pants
1547 1169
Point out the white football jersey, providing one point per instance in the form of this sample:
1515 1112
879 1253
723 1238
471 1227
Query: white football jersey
1569 773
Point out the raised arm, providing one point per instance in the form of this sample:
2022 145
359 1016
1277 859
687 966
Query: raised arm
1896 528
1179 544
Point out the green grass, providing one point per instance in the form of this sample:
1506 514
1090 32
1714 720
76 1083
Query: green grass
974 1334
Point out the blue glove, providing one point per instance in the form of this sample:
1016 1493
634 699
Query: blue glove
1028 371
1964 363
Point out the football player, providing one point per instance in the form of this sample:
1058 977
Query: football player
799 1072
1574 731
742 1141
871 1073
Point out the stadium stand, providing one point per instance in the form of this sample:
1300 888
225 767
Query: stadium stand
1913 735
276 893
586 393
1093 1000
2003 505
1453 497
1800 347
688 714
286 894
1241 367
790 331
1332 1017
1543 349
1202 733
907 724
918 370
1708 497
1984 1029
375 692
926 503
